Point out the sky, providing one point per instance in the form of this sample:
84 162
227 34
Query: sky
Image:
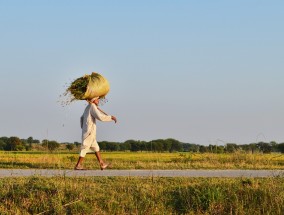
204 72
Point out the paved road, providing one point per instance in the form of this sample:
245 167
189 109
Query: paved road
141 173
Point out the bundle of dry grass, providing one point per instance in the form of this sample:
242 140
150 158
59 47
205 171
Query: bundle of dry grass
87 87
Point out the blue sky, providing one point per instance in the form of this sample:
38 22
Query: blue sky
204 72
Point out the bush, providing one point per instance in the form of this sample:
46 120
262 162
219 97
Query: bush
51 145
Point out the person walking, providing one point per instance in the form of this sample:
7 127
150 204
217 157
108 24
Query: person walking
88 124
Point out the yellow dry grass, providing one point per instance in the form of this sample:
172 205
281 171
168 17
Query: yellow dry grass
144 160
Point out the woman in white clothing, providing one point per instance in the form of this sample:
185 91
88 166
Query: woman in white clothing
88 125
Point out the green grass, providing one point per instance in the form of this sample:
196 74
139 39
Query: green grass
135 195
125 195
143 160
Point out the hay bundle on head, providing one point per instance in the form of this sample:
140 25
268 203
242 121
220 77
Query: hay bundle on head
88 87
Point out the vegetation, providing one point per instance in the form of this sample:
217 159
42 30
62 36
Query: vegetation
124 195
50 145
142 160
131 154
141 195
159 145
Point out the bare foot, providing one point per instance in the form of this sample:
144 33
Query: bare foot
104 166
79 167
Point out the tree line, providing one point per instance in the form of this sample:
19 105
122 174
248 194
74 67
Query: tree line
160 145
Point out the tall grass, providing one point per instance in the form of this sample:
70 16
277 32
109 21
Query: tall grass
123 195
143 160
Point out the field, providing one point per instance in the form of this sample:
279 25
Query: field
143 160
123 195
140 195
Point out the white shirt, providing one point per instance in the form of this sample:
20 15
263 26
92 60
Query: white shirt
88 120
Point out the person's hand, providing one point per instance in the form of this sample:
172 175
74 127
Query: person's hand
114 118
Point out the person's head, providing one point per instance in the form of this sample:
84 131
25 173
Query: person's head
95 100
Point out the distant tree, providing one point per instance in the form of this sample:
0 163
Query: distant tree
51 145
24 140
231 147
134 145
4 139
14 144
102 145
30 140
167 145
203 149
2 145
264 147
157 145
253 147
192 148
280 147
70 146
36 141
143 146
125 146
28 147
176 145
186 147
77 144
213 148
245 147
274 147
220 149
44 141
148 146
111 146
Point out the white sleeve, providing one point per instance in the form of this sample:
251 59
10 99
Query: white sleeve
99 115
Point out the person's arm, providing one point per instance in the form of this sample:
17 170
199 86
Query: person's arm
112 117
96 113
102 111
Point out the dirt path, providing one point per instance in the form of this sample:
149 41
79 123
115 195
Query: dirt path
141 173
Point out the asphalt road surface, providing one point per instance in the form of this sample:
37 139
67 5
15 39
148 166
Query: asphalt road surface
141 173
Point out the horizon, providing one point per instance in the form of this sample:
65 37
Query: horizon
220 143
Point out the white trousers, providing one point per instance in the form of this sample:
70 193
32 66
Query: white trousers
89 144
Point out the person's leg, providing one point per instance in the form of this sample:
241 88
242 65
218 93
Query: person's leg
103 165
79 163
96 148
99 157
85 148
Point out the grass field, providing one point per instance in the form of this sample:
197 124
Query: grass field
124 195
143 160
135 195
